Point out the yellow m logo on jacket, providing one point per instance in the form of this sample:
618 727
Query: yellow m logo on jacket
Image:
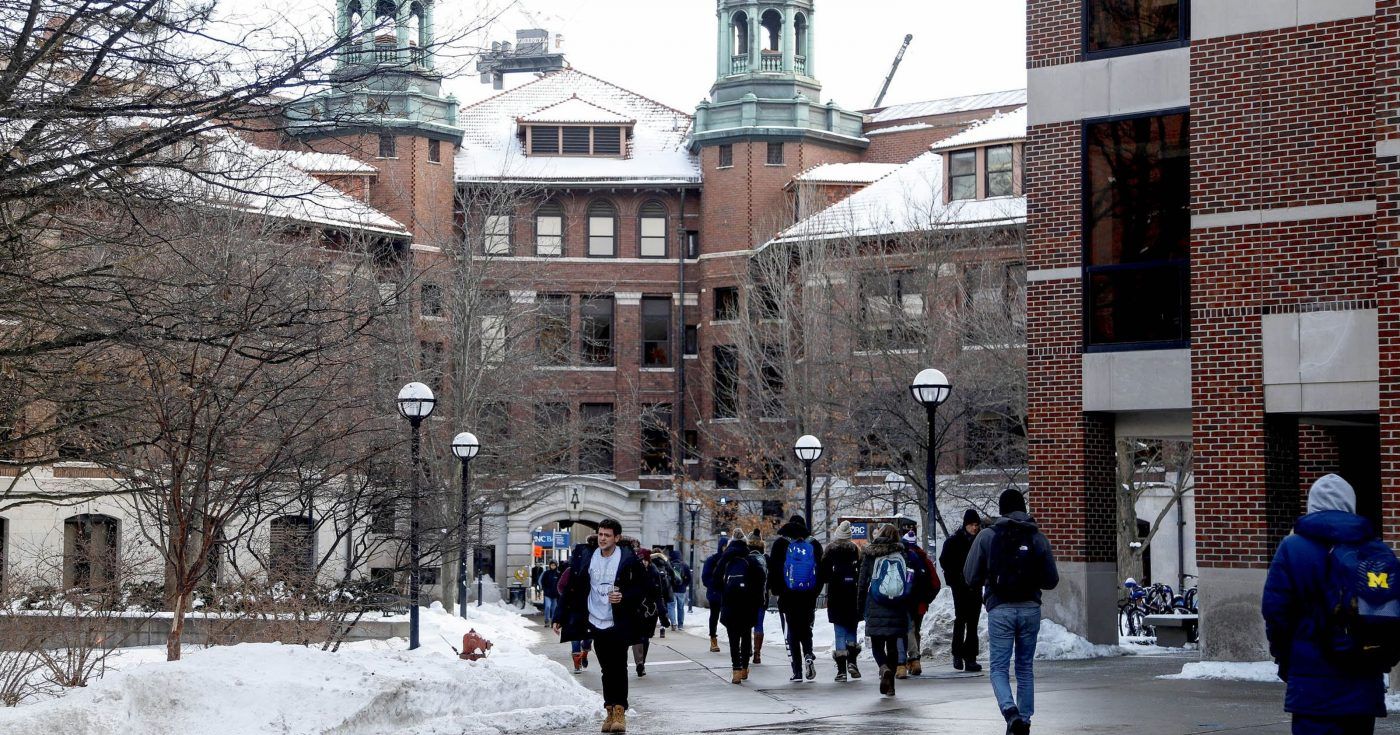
1378 580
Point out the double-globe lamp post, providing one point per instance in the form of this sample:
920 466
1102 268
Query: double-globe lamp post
931 388
416 403
808 449
466 447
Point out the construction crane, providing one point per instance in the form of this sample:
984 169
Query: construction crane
894 68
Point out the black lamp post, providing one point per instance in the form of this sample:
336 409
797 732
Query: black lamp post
931 388
694 507
416 403
808 449
895 483
466 447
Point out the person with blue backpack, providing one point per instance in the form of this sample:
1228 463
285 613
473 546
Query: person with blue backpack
794 577
886 585
1331 609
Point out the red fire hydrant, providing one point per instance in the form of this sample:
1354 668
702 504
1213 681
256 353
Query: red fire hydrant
474 647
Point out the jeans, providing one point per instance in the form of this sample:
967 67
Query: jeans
1346 725
758 625
799 636
845 637
551 609
582 646
1014 626
967 608
678 617
611 650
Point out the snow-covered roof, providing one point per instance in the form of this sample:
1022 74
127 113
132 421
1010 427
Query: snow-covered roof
1003 126
576 110
898 129
315 162
909 199
491 150
846 173
948 105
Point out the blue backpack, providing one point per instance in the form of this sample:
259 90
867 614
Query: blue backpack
1362 630
892 580
800 566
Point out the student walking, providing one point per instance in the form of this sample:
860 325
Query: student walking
1013 561
795 578
662 565
549 586
707 578
741 583
601 602
757 558
924 587
681 579
1324 578
967 600
841 567
884 600
656 591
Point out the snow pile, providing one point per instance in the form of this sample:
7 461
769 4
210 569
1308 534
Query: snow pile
1392 702
1056 643
1261 671
369 687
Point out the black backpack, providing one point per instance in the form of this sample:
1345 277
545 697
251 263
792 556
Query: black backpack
845 574
1015 569
736 581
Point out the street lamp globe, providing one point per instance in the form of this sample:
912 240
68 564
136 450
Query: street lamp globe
930 387
416 401
465 446
693 506
807 448
895 482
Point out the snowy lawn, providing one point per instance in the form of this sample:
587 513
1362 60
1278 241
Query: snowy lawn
368 687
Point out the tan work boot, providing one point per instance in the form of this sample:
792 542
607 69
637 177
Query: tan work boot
758 648
714 644
619 718
916 668
610 721
745 673
737 676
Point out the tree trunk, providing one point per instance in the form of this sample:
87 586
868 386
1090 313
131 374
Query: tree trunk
177 625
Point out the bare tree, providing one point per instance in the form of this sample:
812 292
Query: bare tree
1144 466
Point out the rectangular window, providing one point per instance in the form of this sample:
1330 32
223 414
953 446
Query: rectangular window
596 324
435 151
1137 227
595 454
607 141
993 313
727 473
387 146
430 299
656 439
1000 175
1136 25
726 382
653 231
962 175
495 234
491 337
544 140
692 340
891 310
726 303
775 153
552 423
996 438
576 141
726 155
656 332
690 444
602 238
692 244
770 402
549 232
554 329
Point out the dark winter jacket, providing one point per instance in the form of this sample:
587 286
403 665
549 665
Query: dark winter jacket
926 584
881 618
841 564
655 595
663 566
707 574
550 582
737 610
631 581
682 572
792 600
1294 620
979 559
759 559
953 557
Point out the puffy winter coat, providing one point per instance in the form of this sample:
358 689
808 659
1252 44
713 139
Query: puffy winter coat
549 582
927 584
739 610
573 603
882 618
1294 620
654 599
793 600
953 557
707 574
841 564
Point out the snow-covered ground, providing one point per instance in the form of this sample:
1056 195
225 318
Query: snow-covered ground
369 687
1261 671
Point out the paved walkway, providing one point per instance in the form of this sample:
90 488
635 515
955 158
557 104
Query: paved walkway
687 690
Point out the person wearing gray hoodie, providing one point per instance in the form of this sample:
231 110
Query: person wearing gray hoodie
1012 563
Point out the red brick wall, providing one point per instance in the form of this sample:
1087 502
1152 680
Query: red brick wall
1388 260
1052 185
1053 32
903 146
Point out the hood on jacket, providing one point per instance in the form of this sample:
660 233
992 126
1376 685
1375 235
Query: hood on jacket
734 550
675 556
1334 527
838 545
1017 517
795 528
876 549
1331 492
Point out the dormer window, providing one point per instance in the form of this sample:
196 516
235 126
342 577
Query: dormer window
984 172
575 127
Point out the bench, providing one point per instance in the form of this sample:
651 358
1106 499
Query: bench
1173 631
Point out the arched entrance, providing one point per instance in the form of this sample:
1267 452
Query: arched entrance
575 503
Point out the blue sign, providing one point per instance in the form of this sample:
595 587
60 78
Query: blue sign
561 540
860 531
543 539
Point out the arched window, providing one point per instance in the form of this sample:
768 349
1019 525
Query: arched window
739 40
292 553
354 19
652 224
549 230
772 22
602 230
799 27
90 554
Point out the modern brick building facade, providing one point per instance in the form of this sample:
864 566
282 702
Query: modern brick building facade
1212 191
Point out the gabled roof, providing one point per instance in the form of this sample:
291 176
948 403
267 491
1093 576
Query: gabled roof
846 173
657 154
999 128
315 162
947 105
575 110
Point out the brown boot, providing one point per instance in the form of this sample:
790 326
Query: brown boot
737 676
745 672
714 644
610 721
887 681
578 662
901 672
916 668
758 648
619 718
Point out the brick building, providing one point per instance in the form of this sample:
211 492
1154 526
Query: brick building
1212 200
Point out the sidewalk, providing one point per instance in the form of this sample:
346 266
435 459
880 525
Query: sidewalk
687 690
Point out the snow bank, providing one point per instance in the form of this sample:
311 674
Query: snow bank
1392 702
1261 671
369 687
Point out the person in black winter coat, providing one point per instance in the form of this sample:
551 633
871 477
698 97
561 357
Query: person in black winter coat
658 590
841 562
741 590
662 564
967 600
886 621
707 578
549 584
797 597
758 558
681 591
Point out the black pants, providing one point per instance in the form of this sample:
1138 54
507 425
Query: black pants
799 636
740 644
1352 725
886 650
967 610
640 651
714 620
610 648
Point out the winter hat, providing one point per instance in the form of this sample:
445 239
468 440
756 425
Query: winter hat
645 554
842 532
1331 492
910 538
755 541
1011 501
972 516
737 537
